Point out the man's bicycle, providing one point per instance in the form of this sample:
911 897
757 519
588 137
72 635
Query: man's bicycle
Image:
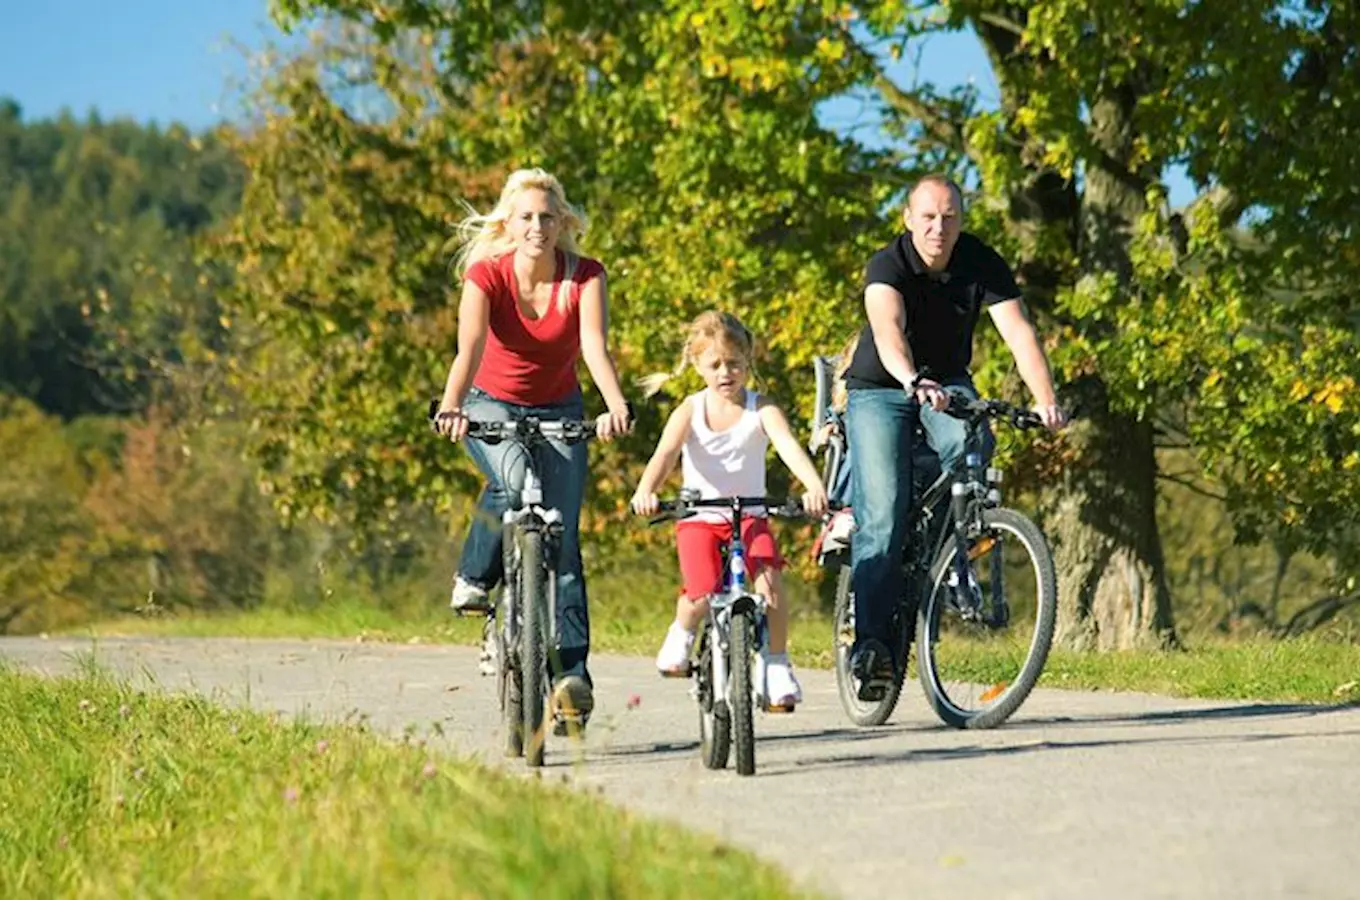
979 594
727 668
525 629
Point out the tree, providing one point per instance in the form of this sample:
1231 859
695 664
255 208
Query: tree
99 289
690 127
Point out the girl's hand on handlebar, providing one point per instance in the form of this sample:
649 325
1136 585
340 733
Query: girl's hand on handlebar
815 501
645 504
1053 416
613 423
451 423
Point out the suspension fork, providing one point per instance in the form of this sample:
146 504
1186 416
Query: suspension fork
959 511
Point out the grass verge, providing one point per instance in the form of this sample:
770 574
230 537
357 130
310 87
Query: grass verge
109 791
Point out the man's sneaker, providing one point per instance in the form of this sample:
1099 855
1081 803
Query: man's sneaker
469 599
782 691
488 662
572 702
873 669
672 660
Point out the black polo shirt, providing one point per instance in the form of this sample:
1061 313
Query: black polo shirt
942 308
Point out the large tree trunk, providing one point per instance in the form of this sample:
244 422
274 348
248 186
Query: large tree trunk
1101 520
1101 517
1112 589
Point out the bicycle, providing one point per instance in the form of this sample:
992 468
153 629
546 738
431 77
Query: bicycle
729 640
526 617
979 591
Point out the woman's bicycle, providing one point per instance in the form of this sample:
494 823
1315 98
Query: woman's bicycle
526 615
727 670
979 593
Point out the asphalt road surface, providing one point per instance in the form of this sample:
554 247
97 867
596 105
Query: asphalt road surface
1082 794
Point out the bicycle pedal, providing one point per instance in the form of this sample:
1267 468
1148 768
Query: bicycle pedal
781 709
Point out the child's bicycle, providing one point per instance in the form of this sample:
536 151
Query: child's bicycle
526 618
978 592
729 641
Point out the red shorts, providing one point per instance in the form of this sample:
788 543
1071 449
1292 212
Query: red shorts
700 547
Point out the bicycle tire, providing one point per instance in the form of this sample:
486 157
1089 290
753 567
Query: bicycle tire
715 723
534 645
740 695
512 708
999 698
864 713
510 686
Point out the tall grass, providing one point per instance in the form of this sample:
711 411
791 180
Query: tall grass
106 791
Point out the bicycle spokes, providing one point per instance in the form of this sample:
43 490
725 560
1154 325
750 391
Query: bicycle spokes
989 627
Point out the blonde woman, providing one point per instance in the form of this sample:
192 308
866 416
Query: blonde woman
532 306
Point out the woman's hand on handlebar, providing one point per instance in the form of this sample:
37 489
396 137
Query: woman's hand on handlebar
645 504
609 425
451 423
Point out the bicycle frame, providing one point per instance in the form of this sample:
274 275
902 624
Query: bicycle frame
733 597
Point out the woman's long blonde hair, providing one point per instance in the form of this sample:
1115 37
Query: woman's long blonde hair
709 329
486 236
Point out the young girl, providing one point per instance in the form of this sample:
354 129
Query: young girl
721 435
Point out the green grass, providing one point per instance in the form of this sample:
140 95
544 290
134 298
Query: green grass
107 791
1313 670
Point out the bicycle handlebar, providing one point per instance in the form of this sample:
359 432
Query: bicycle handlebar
962 406
569 431
788 508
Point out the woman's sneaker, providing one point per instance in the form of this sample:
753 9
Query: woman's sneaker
672 660
782 690
469 599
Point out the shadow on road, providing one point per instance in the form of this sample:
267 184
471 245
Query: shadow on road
1170 716
976 751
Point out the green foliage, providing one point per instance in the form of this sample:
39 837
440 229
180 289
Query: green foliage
688 130
98 285
111 791
42 530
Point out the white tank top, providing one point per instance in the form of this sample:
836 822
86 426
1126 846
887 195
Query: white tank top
729 463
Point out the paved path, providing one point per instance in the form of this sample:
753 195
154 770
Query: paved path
1082 795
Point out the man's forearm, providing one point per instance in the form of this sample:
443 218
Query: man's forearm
1033 366
895 356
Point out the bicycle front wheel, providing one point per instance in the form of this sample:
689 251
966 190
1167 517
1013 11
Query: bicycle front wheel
534 641
741 694
983 638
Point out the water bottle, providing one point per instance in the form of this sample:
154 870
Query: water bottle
736 565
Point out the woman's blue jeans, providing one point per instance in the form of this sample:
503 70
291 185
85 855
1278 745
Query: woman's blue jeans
562 470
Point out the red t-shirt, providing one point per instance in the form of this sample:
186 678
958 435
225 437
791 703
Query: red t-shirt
527 361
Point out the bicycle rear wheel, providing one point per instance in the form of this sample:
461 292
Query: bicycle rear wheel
534 644
863 712
510 688
983 644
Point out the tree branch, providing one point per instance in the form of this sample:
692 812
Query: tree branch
1189 485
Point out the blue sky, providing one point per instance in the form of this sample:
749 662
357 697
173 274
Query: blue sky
184 60
152 60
